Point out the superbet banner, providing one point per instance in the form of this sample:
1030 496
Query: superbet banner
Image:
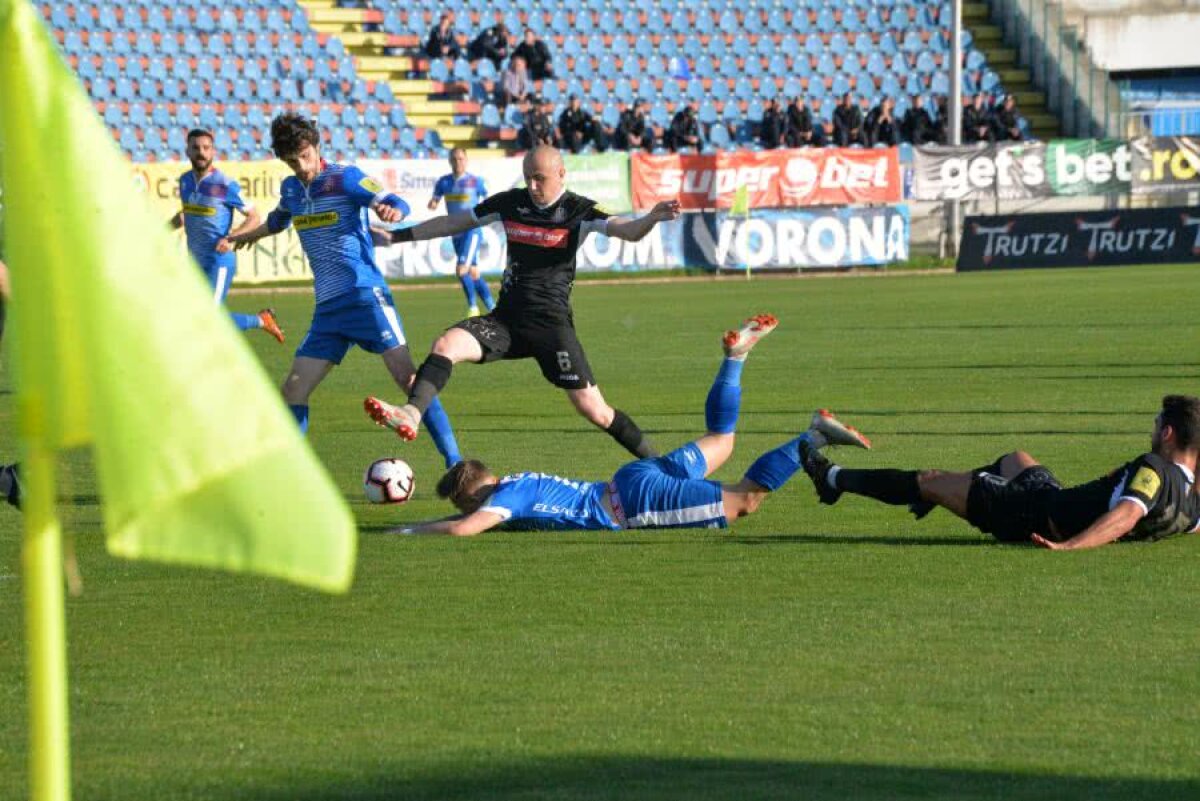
773 178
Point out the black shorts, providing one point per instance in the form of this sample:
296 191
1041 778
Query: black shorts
555 346
1011 509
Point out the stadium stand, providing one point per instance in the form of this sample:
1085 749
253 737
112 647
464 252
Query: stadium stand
1167 106
154 70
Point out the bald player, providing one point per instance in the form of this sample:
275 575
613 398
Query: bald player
545 224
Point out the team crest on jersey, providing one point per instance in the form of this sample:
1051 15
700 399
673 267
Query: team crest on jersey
197 210
1146 482
303 222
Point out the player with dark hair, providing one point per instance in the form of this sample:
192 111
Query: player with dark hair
209 199
1016 499
670 491
545 224
462 192
328 204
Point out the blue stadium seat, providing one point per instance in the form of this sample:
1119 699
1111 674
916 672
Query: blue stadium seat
397 117
176 139
407 139
128 138
138 116
112 115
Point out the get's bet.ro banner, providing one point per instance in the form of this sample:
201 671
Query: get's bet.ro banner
773 178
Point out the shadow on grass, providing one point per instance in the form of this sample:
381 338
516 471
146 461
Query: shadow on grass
855 539
631 778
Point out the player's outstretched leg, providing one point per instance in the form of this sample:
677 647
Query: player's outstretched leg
269 323
775 468
724 401
483 290
468 287
438 423
10 483
398 418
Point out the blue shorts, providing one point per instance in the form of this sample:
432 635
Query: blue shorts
220 278
363 317
670 492
466 247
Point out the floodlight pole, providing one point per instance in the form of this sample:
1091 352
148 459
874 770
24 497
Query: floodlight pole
954 113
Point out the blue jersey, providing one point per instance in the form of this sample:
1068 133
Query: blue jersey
462 193
330 215
540 501
208 206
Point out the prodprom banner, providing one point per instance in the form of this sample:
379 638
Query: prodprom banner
1081 239
776 239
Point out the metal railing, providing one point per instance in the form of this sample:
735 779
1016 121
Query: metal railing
1087 101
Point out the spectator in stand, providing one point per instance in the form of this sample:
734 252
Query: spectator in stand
773 127
633 131
1004 120
977 122
882 127
941 122
538 128
685 130
536 55
607 135
514 85
799 124
918 127
575 125
822 134
848 123
443 40
492 44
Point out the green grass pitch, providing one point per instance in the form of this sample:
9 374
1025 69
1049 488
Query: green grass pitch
808 653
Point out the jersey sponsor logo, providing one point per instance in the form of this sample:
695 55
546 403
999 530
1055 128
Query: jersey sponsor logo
303 222
538 237
1145 482
197 210
371 185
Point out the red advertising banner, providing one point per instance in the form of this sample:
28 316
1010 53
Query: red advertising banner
773 178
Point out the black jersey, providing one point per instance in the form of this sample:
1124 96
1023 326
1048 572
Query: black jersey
1161 488
542 244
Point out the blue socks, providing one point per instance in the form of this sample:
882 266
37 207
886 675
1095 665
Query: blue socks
773 469
246 322
468 285
725 398
438 423
485 294
301 415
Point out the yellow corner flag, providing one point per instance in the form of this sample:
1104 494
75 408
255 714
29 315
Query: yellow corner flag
117 344
741 202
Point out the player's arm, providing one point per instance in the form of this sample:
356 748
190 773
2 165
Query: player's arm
366 191
1109 527
433 202
252 221
176 221
465 526
276 222
631 230
446 225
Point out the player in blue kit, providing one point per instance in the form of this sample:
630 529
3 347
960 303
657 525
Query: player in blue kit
462 192
670 491
209 200
328 205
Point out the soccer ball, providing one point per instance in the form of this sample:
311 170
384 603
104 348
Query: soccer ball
388 481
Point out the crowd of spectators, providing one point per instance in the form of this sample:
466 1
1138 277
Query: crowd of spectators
853 122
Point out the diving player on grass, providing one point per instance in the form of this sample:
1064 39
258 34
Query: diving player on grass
328 204
1016 499
545 224
462 191
209 199
670 491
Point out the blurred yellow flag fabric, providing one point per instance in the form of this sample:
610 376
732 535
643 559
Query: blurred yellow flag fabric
117 343
741 202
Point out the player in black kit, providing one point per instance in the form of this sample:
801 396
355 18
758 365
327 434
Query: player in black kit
545 224
1015 499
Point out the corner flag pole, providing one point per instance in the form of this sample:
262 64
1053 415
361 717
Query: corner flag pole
45 619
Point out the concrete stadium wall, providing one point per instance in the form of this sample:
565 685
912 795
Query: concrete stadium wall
1139 35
